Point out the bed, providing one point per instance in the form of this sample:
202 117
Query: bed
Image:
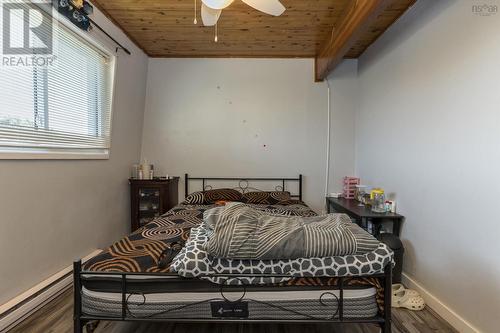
125 283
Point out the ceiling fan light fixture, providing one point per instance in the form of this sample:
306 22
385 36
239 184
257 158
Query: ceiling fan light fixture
209 16
271 7
217 4
212 9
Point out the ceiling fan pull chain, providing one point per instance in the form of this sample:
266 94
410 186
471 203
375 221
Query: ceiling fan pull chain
195 20
216 39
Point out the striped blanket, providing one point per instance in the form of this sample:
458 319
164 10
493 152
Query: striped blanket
239 231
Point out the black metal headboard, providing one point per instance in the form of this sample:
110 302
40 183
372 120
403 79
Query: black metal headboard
244 183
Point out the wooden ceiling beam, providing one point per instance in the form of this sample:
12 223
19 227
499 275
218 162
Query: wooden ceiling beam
354 22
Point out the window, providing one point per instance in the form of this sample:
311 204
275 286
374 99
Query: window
62 110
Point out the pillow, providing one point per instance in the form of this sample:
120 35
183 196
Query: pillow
195 198
225 194
212 196
263 197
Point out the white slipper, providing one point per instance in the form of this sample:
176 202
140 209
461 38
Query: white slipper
398 291
397 288
409 301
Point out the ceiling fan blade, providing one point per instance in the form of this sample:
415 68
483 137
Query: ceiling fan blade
217 4
271 7
209 16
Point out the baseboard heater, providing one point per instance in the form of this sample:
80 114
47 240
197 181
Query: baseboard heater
19 308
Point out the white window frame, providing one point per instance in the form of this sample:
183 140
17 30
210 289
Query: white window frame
28 153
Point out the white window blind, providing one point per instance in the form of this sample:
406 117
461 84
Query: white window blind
63 107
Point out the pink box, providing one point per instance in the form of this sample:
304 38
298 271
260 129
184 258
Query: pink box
350 187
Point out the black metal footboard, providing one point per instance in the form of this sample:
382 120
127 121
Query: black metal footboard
81 319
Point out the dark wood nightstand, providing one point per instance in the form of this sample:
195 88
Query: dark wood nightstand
363 215
151 198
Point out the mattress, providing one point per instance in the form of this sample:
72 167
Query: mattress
256 305
146 283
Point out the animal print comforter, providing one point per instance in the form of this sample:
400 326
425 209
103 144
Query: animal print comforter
139 251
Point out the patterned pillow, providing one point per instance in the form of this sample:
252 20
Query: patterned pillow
195 198
225 194
211 196
268 198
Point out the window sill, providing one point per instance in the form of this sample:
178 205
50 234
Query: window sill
52 154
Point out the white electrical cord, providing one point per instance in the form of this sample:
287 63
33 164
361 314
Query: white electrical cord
327 178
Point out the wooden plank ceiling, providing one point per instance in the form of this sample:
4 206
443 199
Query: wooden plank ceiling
165 28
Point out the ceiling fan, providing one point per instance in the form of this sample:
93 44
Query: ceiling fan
212 9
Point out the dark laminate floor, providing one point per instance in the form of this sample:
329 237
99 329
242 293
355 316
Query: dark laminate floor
56 317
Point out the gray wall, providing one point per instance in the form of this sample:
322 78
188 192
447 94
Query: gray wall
55 211
343 105
428 129
237 117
